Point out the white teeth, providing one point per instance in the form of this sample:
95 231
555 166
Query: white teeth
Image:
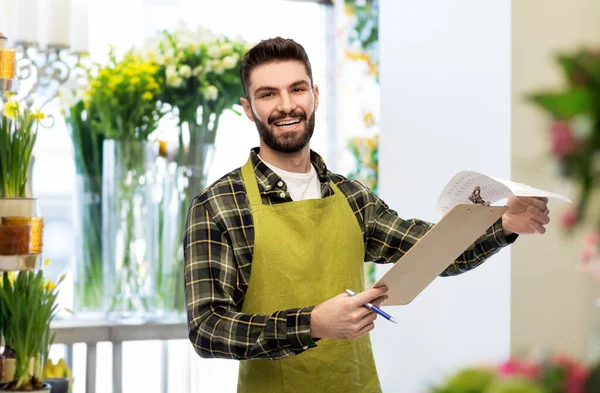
287 123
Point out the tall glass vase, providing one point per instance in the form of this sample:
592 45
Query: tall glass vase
182 182
130 228
88 292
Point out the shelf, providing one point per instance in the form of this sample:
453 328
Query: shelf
21 262
9 85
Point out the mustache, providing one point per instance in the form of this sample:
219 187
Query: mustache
294 115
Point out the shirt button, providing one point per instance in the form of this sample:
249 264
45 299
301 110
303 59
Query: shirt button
280 183
282 195
305 347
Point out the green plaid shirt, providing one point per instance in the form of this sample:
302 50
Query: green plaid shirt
218 246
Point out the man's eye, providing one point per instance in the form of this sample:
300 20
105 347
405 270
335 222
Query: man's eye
267 95
298 89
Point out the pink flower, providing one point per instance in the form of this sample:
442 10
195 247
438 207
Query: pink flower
587 255
592 239
563 140
514 368
569 218
576 373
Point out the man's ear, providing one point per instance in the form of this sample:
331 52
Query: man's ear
247 108
316 94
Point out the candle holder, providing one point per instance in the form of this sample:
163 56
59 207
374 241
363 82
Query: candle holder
8 81
42 71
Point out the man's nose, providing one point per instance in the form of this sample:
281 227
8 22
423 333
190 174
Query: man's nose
286 103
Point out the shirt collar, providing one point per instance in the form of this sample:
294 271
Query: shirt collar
267 179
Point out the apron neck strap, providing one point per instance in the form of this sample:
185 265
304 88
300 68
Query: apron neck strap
252 186
250 183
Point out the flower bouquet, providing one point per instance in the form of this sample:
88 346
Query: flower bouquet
559 374
200 74
87 141
574 134
126 108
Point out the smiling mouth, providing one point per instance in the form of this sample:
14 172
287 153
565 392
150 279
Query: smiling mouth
287 123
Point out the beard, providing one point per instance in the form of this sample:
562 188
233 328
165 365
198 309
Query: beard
286 142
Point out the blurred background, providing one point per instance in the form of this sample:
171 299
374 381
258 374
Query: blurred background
411 94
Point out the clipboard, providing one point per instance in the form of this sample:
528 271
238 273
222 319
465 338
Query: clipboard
460 227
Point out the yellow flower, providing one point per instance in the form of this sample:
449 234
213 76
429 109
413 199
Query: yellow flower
369 120
46 261
49 285
371 143
147 96
12 276
11 109
37 116
355 55
162 148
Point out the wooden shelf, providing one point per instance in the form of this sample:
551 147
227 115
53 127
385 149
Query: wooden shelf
21 262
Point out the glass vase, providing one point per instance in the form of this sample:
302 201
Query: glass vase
130 228
183 181
87 217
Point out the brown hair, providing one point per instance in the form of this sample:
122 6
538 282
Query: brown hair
270 51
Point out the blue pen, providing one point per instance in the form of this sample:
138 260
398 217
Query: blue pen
374 308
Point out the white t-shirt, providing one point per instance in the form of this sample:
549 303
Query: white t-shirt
300 185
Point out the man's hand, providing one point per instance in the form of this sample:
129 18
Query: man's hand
526 215
344 317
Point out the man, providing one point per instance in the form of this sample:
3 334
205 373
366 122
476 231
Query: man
271 247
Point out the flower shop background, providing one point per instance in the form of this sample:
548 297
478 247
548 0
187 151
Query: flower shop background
472 97
136 21
473 113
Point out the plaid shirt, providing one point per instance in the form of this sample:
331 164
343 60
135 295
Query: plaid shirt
218 246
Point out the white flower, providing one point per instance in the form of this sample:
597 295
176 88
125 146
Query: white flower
71 93
171 71
169 52
197 70
226 48
174 81
185 71
219 68
160 60
582 127
211 93
214 52
231 61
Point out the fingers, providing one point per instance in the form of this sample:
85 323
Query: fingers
370 317
538 215
379 301
538 202
539 228
366 329
369 295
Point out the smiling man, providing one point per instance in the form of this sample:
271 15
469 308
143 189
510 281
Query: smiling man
271 247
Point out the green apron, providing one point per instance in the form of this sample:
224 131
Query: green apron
306 252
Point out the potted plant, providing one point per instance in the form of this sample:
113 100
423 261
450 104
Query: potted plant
58 376
27 306
18 133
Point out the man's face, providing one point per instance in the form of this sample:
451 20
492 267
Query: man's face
282 105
